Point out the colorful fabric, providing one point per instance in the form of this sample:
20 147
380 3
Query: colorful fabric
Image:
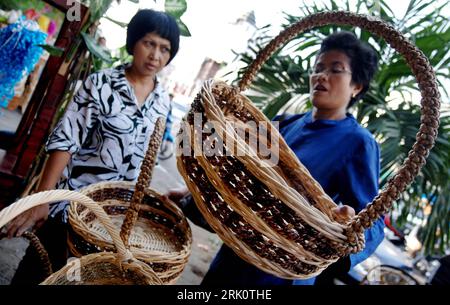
19 53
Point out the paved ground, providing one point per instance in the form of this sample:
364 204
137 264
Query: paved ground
204 247
11 252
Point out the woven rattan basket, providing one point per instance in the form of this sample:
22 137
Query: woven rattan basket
275 215
153 227
106 268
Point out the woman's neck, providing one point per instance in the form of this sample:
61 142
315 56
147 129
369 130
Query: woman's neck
138 79
141 84
323 114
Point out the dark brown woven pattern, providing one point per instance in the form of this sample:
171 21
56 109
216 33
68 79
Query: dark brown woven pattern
144 179
41 252
237 225
280 219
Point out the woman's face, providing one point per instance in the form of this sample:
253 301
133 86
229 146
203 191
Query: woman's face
151 53
330 82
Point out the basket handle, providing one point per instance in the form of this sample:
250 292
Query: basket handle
424 75
144 179
26 203
41 252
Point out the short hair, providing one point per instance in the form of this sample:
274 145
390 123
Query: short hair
148 21
363 58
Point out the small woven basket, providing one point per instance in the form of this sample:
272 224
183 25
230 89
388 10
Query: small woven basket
107 268
274 215
153 227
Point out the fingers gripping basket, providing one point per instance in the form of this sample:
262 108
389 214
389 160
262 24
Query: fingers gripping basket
107 268
154 228
278 218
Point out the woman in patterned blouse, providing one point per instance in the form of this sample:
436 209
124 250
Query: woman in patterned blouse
106 128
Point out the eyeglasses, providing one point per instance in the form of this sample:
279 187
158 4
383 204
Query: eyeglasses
335 71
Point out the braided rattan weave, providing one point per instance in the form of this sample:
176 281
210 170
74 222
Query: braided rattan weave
40 252
275 215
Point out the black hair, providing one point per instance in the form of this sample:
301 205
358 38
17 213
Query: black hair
148 21
363 58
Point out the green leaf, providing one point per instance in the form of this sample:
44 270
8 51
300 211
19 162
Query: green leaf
184 31
97 8
52 50
9 5
176 8
276 104
95 49
119 23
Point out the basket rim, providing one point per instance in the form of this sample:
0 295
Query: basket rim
144 271
83 230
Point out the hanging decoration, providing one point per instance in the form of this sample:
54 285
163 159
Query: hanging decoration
19 53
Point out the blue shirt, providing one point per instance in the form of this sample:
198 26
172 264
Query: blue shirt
344 158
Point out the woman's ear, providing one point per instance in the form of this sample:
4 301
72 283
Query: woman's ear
357 89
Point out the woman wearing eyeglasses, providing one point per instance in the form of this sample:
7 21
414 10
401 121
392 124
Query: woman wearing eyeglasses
339 153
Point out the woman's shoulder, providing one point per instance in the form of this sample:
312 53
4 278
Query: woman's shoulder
361 136
106 75
361 132
108 72
99 77
286 118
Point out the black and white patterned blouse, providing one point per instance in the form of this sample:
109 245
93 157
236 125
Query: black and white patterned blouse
105 130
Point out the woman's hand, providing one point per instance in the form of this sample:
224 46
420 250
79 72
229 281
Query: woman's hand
344 213
35 217
176 195
31 219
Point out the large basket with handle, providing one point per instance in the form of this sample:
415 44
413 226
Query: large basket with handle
153 227
118 267
275 215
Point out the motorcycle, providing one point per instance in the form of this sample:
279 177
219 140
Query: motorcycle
398 260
